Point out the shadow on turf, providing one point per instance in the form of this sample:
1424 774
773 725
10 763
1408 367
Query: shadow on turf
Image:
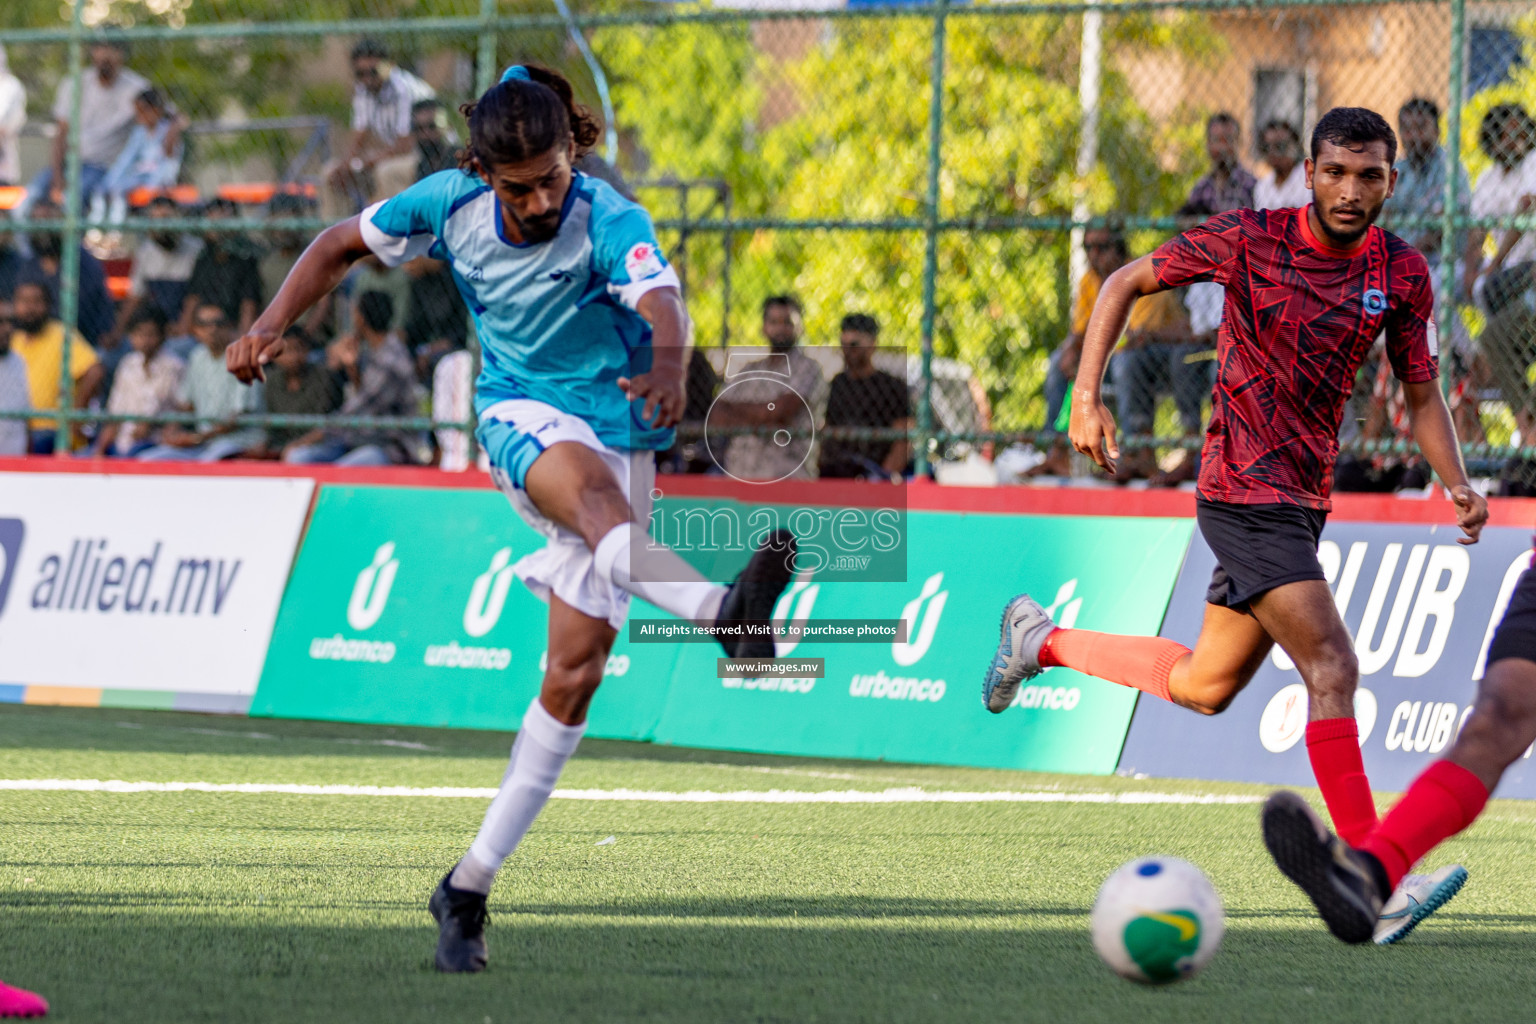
763 908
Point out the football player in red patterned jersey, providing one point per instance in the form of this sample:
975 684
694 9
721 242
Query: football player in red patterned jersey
1307 293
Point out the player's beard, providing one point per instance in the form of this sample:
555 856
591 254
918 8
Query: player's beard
538 229
1345 238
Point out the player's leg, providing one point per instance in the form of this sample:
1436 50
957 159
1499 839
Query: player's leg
1305 622
1350 884
1229 650
552 727
571 485
1451 793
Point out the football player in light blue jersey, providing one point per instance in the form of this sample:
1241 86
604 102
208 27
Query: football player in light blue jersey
584 340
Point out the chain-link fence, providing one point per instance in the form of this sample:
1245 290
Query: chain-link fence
953 181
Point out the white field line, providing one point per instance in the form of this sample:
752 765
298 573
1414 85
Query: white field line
910 795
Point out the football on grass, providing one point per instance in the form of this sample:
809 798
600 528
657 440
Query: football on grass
1157 919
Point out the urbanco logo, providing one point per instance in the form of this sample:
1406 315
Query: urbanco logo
920 636
371 591
488 596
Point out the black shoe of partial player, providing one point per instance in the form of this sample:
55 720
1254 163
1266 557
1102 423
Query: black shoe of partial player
1341 881
461 920
751 598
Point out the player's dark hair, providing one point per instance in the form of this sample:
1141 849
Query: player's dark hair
150 314
376 310
521 118
787 301
370 48
1354 128
863 323
1222 117
1498 120
153 99
1419 105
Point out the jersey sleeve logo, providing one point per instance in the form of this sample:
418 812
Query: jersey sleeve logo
642 261
1375 301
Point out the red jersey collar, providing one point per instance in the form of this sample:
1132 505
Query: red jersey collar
1308 237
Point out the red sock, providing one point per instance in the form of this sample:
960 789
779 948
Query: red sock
1144 662
1442 801
1333 745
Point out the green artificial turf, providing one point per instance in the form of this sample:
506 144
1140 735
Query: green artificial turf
170 907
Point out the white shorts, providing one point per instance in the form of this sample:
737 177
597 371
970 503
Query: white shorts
513 433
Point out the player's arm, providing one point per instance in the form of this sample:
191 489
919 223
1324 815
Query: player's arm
319 270
662 386
1436 435
1093 426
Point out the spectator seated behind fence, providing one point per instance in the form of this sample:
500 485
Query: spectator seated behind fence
1226 186
1150 317
13 117
436 319
147 383
280 250
12 262
1159 356
380 156
227 273
1284 185
368 275
437 146
162 266
1418 202
453 395
215 396
1508 187
39 340
757 399
107 94
688 454
298 386
97 313
381 381
15 391
862 396
151 159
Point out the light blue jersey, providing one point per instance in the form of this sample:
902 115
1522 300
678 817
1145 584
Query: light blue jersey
556 319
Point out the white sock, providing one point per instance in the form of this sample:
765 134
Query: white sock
649 569
542 747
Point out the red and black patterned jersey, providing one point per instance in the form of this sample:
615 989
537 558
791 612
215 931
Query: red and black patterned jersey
1298 320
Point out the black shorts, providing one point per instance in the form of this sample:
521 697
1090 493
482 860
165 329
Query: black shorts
1515 636
1258 548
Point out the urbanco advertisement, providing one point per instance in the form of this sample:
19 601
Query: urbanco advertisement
403 608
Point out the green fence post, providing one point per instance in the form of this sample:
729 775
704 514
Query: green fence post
1447 312
931 229
69 255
